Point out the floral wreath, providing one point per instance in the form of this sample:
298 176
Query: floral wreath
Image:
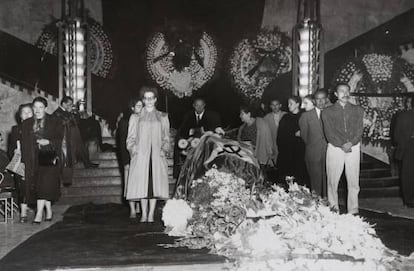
374 75
101 56
258 60
180 65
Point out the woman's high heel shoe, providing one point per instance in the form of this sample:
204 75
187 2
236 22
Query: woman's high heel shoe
143 219
36 222
23 219
49 219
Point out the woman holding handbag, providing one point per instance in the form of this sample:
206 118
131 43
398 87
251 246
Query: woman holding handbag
41 143
24 112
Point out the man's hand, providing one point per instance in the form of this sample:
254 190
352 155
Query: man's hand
347 147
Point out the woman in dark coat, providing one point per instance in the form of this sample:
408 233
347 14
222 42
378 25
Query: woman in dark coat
41 145
25 111
291 159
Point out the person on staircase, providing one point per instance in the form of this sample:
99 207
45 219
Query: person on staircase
135 107
311 131
148 143
343 127
24 193
72 145
41 143
404 138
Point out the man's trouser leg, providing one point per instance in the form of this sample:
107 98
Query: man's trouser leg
335 159
352 164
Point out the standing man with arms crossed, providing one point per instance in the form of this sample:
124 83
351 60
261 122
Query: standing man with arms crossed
311 131
343 126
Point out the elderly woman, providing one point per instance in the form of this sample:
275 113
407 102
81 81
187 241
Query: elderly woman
41 144
148 143
24 112
257 132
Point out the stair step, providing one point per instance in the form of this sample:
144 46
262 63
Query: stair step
107 163
93 190
379 182
382 192
95 172
375 173
109 140
106 156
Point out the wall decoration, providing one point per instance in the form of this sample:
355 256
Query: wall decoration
101 55
378 83
258 60
181 59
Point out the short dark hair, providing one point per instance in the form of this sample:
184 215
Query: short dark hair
341 84
145 89
40 100
310 97
274 100
295 98
321 90
20 109
66 99
249 109
133 102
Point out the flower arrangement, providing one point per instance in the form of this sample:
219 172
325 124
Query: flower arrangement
175 215
258 60
101 55
181 68
279 229
379 112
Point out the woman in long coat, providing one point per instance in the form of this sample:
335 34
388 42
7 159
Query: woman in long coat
148 144
42 134
25 111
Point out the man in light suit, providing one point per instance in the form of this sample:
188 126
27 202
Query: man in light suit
311 131
272 119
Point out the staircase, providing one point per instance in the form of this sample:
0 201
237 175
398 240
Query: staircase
376 180
103 184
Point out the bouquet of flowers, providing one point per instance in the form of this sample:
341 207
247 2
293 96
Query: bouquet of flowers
278 229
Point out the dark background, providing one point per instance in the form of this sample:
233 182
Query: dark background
130 23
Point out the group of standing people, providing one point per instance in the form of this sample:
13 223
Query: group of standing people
313 145
49 146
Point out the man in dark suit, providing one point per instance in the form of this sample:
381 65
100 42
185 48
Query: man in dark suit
198 120
194 124
404 138
72 144
311 131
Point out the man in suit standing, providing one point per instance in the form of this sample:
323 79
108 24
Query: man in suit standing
195 123
343 127
272 119
72 144
404 138
311 131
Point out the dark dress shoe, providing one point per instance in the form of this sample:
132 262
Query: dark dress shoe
23 219
36 222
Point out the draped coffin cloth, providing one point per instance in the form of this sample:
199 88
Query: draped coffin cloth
226 154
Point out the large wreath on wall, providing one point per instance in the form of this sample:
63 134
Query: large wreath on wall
258 60
181 59
378 82
101 56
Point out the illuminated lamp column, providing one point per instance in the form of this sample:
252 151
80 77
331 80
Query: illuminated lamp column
307 61
74 74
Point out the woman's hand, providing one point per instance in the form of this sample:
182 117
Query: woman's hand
43 142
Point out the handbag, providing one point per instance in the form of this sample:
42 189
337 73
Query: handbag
47 157
16 166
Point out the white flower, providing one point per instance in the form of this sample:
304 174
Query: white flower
175 215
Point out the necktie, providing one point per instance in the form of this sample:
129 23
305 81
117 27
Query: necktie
198 118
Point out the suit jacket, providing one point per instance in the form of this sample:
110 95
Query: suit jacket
311 131
404 131
209 121
269 118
